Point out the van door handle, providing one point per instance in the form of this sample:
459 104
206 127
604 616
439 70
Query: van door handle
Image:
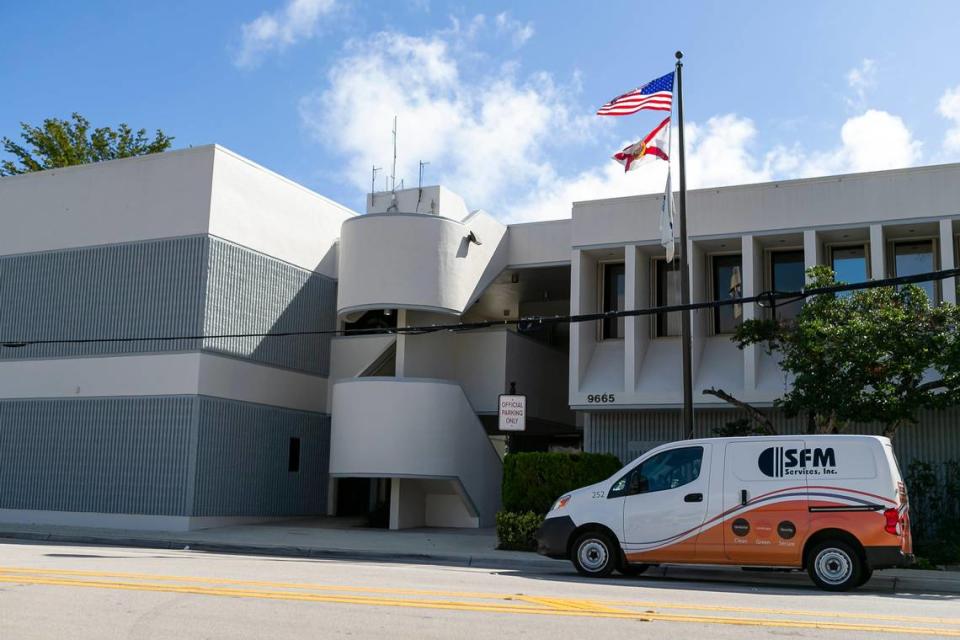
744 497
693 497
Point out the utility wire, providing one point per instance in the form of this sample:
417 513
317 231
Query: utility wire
767 299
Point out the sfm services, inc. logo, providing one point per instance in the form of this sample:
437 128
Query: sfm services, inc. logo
777 462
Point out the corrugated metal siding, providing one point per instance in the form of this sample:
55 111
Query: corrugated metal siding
242 460
129 290
936 439
248 292
173 287
113 455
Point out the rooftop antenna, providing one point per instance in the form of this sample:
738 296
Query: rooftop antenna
393 176
373 179
420 185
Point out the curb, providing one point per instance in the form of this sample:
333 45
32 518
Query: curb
292 552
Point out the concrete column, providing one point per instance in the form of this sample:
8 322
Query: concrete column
407 506
948 260
643 293
575 333
812 249
331 496
630 323
750 275
583 299
698 319
878 253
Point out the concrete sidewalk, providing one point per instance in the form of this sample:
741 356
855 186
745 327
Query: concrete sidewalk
338 539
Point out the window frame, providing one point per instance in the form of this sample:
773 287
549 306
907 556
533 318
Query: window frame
768 282
659 318
836 246
712 293
891 259
602 292
626 493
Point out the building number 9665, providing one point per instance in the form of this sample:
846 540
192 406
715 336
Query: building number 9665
601 397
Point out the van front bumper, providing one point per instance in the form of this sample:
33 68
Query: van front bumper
887 557
553 536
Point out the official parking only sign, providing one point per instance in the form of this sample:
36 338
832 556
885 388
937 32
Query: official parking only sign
513 413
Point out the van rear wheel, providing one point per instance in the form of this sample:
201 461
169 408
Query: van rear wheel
835 566
594 554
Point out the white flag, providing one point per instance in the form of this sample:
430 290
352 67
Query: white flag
666 221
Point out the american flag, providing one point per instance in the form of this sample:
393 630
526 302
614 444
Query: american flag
656 95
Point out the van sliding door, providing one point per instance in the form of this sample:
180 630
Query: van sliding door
765 503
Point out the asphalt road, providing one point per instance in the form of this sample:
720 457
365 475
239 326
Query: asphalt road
80 592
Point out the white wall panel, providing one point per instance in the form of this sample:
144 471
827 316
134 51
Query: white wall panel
155 196
417 261
259 209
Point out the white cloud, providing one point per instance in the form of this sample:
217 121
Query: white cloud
718 153
721 152
297 20
872 141
861 79
485 137
508 142
519 32
949 108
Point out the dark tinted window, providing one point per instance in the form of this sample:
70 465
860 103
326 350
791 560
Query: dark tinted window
787 274
614 299
667 470
727 284
293 457
911 258
668 293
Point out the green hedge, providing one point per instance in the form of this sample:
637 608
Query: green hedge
533 481
515 530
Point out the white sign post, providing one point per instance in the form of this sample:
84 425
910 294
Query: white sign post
513 413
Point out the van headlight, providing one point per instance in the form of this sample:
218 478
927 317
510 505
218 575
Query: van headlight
560 503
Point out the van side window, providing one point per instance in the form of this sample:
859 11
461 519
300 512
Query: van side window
667 470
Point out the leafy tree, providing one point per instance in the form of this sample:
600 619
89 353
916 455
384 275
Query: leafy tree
62 143
880 354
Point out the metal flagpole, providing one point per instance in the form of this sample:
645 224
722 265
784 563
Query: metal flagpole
684 268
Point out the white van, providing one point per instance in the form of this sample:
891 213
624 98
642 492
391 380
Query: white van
834 505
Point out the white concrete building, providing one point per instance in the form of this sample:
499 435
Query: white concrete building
626 377
197 431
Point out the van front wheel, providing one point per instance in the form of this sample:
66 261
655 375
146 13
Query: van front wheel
594 554
835 566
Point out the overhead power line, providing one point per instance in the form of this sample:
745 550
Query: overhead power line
767 299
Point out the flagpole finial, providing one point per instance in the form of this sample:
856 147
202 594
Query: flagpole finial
679 54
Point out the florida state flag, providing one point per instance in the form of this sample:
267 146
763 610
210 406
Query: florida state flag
656 144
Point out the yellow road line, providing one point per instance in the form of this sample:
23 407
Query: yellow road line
258 583
566 604
478 607
616 604
781 612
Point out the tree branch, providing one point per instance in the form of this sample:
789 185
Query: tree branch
755 414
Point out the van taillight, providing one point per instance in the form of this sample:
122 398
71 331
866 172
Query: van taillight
893 520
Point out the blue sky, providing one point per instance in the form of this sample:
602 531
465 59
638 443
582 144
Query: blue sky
499 97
